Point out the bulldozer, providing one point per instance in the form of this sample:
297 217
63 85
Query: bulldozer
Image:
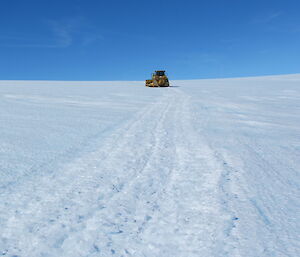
159 79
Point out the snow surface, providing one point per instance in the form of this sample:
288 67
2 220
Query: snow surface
203 168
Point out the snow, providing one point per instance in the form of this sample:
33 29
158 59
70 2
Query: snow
203 168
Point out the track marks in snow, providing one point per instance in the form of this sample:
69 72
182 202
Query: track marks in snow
189 222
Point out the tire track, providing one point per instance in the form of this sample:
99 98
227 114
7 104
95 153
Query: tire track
190 221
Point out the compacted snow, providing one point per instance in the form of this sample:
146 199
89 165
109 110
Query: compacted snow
203 168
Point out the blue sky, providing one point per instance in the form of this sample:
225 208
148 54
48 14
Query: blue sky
127 40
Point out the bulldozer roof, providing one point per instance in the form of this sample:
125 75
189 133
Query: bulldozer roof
160 73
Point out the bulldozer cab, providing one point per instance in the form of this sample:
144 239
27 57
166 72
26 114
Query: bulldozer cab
160 73
159 79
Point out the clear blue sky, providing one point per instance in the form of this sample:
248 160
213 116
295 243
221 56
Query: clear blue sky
127 40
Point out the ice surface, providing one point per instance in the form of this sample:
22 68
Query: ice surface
203 168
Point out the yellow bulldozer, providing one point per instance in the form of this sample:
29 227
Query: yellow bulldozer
159 79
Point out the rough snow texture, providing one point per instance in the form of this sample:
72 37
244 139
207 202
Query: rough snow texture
203 168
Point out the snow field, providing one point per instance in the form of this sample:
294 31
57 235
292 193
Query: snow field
204 168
